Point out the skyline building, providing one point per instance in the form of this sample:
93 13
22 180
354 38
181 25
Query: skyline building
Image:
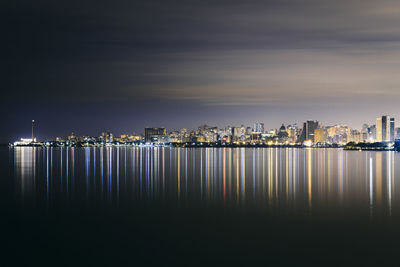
385 126
308 130
392 129
259 127
150 132
320 136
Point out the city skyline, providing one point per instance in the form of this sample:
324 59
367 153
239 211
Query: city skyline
308 133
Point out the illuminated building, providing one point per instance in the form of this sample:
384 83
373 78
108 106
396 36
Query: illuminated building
236 131
150 132
107 137
308 130
255 137
385 129
282 134
23 142
392 127
320 136
355 136
249 130
338 134
258 127
372 132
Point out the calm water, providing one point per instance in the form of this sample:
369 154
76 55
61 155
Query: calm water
201 205
287 177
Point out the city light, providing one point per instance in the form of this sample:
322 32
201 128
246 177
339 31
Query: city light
380 136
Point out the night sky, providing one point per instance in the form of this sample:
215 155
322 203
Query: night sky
91 66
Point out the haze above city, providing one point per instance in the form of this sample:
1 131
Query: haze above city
90 67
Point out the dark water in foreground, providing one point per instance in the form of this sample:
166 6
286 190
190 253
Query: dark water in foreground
210 206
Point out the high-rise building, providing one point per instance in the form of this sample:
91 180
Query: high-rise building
354 136
372 132
320 136
259 127
236 131
385 129
308 130
107 137
150 132
392 127
397 133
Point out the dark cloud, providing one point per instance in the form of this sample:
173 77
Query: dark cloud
260 60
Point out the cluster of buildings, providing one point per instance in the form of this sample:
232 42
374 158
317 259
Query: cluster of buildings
310 133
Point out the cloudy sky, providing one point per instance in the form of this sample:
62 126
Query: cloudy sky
90 66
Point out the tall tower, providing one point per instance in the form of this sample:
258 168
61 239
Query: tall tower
392 126
385 129
33 128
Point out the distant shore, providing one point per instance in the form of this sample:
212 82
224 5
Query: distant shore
379 146
178 145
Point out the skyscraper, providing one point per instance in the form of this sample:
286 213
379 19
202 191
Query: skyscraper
308 130
392 127
385 129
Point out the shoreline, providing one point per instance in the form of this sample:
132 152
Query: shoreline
347 147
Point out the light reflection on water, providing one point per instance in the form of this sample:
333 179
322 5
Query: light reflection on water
266 177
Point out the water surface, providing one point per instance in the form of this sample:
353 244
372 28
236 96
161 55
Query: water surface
201 205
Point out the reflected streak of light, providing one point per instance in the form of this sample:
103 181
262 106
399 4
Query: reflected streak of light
125 169
201 174
309 174
341 175
287 173
224 178
51 168
270 175
276 176
186 171
94 166
147 171
193 153
263 171
163 170
102 170
329 174
109 163
389 171
209 172
179 173
379 178
371 188
294 174
254 173
118 150
87 168
237 174
61 169
66 169
73 164
47 173
135 159
141 171
243 157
